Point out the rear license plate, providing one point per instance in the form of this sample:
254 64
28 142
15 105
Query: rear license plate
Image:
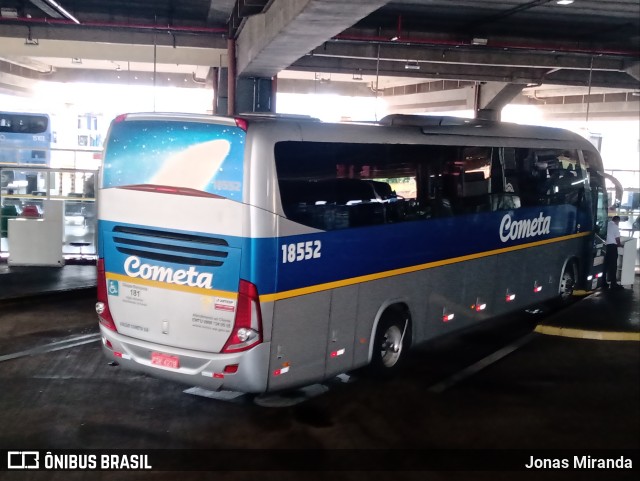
165 360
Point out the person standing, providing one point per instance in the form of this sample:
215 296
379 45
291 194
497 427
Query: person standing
611 253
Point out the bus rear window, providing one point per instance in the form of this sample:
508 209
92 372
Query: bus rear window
194 155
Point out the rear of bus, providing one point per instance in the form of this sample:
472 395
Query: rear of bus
175 293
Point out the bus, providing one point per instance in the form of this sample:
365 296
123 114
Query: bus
25 139
259 253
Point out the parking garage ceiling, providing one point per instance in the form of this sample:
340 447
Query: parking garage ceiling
584 43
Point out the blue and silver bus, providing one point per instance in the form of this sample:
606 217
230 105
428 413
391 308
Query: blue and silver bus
25 139
257 254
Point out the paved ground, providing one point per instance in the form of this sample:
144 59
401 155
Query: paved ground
550 393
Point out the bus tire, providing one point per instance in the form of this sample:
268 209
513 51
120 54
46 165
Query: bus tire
568 282
391 342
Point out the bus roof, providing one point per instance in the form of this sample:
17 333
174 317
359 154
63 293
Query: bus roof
407 128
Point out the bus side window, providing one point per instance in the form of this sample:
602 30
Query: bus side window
532 177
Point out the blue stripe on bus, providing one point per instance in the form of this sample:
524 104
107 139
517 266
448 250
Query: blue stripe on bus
357 252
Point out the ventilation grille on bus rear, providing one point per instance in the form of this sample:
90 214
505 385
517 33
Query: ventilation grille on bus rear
172 247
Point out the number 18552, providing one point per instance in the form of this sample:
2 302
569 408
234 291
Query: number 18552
301 251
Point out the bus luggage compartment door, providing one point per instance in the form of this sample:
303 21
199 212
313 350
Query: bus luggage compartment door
342 326
299 340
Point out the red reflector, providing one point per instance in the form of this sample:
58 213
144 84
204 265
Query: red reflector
448 317
231 369
510 297
218 375
117 354
107 343
537 288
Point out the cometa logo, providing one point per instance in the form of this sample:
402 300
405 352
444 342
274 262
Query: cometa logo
519 229
185 277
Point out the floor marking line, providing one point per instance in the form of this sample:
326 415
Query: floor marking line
480 365
53 346
586 334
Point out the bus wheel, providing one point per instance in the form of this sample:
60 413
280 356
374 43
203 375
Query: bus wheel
567 282
392 339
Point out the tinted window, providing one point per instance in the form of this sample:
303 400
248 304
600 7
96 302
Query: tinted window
340 185
23 123
548 177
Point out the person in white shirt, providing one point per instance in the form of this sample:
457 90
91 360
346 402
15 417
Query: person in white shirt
611 254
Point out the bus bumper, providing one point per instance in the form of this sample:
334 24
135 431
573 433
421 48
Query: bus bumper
195 368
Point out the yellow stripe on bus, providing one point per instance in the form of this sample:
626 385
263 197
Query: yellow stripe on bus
172 287
408 270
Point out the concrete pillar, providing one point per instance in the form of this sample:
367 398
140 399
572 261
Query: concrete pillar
222 94
254 94
491 97
215 72
246 94
231 77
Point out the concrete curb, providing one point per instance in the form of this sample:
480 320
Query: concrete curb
585 334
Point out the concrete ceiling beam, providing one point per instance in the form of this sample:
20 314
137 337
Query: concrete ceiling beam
469 56
271 41
172 38
480 73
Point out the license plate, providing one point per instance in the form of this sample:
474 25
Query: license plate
165 360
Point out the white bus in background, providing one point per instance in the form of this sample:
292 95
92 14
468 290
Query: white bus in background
256 254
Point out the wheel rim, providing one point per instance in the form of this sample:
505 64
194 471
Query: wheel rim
391 347
566 283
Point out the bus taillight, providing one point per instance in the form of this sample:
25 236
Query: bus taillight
242 123
247 329
102 306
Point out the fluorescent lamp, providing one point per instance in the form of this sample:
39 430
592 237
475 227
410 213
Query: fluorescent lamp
564 2
62 11
9 13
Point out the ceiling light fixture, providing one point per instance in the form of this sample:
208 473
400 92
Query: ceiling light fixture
59 8
412 65
479 41
564 2
8 13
